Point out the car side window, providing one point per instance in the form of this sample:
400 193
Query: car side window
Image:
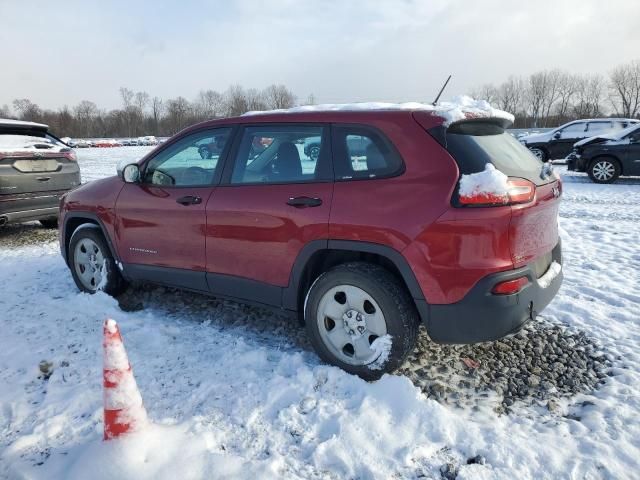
190 161
597 127
572 131
363 152
282 154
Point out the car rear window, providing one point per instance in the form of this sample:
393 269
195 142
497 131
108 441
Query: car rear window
15 142
474 144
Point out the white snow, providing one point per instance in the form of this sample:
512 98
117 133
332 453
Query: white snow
382 347
554 270
458 108
490 181
243 401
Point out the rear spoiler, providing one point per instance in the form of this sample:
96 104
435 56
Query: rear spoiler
439 132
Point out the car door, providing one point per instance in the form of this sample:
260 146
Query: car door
562 141
161 220
631 159
272 202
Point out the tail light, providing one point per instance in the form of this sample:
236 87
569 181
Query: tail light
518 190
510 287
70 155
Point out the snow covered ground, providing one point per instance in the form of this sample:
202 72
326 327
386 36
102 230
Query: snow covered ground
236 392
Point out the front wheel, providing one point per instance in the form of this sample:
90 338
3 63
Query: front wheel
604 170
360 318
92 265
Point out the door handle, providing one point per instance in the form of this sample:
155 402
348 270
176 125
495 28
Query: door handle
189 200
304 202
43 179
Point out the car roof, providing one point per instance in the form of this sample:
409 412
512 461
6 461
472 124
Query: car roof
19 124
605 119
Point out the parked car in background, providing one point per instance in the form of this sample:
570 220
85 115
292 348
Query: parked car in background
80 143
558 142
36 169
357 146
361 253
606 157
148 140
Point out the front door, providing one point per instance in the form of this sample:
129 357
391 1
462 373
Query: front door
275 199
562 142
161 220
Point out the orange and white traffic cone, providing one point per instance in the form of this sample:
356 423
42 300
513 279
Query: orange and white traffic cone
123 408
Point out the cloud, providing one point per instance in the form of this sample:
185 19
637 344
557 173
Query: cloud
338 50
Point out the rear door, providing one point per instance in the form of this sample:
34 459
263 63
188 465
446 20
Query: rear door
161 221
32 161
273 201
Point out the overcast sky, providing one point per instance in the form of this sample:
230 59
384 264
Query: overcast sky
61 52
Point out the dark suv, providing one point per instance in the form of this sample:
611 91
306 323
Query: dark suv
606 157
36 168
452 224
557 143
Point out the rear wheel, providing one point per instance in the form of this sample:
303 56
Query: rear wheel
92 265
360 318
604 170
49 222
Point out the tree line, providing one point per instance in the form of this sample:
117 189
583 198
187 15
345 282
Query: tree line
550 98
141 114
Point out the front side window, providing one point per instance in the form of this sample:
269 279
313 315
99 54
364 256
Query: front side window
573 130
362 152
282 154
191 161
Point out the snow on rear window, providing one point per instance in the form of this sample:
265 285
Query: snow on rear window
490 181
18 142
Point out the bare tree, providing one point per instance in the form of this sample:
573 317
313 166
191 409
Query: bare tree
157 108
26 109
235 101
85 113
178 111
510 95
567 89
486 92
141 99
209 104
279 96
311 99
588 97
5 111
624 89
127 97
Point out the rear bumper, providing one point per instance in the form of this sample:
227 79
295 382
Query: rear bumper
30 206
482 316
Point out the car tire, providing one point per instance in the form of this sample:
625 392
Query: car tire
366 302
49 222
604 170
540 153
90 258
314 152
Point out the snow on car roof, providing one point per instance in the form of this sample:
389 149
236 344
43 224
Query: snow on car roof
7 122
459 108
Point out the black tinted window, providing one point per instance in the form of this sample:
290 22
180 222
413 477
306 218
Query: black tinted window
473 145
362 152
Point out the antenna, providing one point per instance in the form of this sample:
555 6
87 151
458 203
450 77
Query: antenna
441 90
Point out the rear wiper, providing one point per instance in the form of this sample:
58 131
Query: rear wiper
546 171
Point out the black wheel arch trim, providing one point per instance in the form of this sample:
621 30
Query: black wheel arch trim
94 219
290 294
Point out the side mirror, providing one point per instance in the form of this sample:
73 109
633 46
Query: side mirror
130 173
557 135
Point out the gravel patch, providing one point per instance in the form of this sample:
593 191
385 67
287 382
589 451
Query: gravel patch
539 365
22 234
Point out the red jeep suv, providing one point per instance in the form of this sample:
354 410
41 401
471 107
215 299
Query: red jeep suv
448 223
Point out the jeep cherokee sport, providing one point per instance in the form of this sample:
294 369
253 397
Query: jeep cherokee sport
364 245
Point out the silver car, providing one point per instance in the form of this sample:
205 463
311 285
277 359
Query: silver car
36 168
